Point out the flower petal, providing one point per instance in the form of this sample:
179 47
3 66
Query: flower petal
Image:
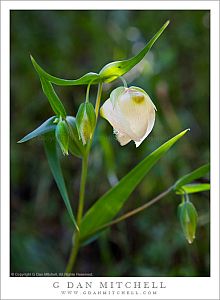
135 107
117 119
143 91
151 120
123 139
131 113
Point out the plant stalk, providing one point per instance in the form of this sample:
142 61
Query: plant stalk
82 188
98 99
136 210
76 236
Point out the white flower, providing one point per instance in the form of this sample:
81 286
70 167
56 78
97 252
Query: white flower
131 113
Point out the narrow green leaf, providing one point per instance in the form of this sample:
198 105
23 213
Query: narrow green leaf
115 69
52 97
193 188
200 172
85 79
54 163
108 73
107 207
47 126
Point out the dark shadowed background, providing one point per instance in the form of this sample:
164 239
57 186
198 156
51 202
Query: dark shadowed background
175 74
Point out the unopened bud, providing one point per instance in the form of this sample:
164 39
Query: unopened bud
85 121
62 136
188 219
75 144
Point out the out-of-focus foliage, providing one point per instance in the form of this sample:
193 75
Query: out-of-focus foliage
175 74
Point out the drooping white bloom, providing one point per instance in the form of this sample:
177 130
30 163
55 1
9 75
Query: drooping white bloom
131 113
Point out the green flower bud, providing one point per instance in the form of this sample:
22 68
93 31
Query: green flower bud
62 136
75 144
188 219
85 121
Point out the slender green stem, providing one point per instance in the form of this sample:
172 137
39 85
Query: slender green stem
98 99
124 81
87 92
75 248
76 236
82 189
73 256
136 210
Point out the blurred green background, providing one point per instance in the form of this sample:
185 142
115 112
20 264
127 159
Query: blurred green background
175 74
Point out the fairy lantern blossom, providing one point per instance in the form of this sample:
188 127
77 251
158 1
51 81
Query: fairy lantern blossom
131 113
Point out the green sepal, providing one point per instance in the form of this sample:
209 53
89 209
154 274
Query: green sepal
45 127
115 94
62 136
188 216
85 121
75 144
116 69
